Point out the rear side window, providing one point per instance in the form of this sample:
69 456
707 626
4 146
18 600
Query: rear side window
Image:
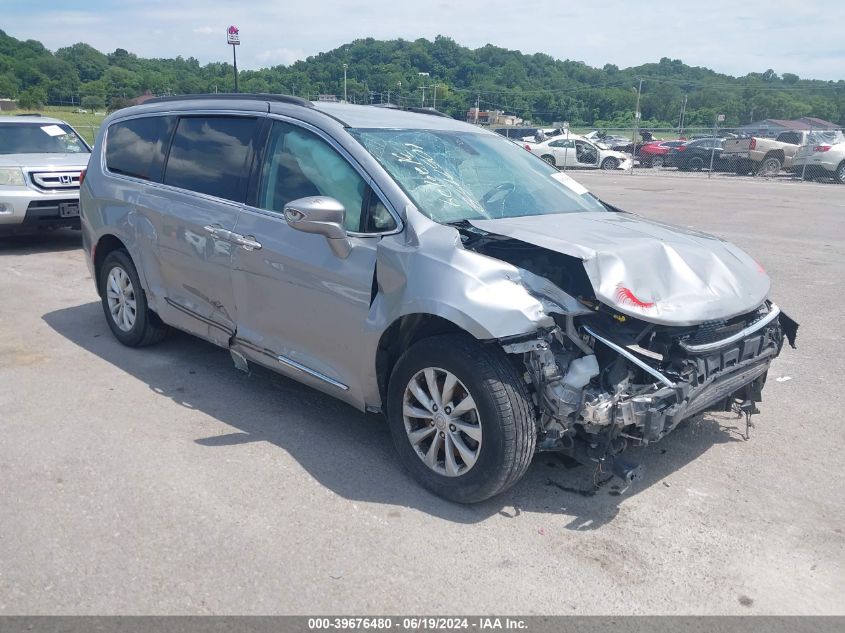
211 155
136 148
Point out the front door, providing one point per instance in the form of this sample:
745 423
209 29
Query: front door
300 307
586 154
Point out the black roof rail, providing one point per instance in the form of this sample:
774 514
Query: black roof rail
428 111
229 96
29 114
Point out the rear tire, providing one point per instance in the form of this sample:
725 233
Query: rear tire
696 163
431 436
549 159
770 166
657 162
125 303
742 167
839 174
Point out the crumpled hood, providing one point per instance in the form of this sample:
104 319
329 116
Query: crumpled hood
648 270
58 161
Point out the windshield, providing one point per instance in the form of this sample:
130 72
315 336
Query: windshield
40 138
454 176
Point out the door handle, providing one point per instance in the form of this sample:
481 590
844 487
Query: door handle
215 230
247 242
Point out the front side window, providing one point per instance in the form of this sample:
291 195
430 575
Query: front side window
137 147
209 155
462 175
299 164
40 138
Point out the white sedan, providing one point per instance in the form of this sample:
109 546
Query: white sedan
578 152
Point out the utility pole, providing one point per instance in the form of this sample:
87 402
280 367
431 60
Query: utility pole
477 105
637 125
434 103
345 66
423 87
683 116
399 96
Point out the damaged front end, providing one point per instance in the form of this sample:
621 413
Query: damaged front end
603 380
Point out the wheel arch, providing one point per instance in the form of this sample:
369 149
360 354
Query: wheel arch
401 334
107 243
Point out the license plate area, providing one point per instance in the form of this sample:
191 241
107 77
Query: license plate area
68 209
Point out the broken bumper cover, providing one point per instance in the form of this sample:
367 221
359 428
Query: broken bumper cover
637 395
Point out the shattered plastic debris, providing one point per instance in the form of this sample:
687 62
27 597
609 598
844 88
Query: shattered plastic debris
783 378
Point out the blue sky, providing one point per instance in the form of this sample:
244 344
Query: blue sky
803 37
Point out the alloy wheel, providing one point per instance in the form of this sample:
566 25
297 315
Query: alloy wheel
121 299
442 421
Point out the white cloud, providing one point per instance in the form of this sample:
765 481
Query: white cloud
203 30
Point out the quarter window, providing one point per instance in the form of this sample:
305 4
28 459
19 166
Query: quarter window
136 147
210 155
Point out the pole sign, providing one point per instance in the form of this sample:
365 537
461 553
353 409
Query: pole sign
721 118
233 36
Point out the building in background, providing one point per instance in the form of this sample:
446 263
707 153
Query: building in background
492 117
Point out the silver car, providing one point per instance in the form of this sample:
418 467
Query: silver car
41 160
410 264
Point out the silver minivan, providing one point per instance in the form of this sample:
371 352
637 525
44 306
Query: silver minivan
414 265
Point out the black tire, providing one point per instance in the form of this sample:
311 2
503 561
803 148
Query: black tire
769 166
549 159
147 328
839 174
657 162
504 408
609 163
696 163
742 167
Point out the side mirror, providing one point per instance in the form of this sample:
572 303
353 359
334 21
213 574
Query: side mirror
323 216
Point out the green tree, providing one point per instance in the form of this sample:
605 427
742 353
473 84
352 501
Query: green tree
93 103
32 99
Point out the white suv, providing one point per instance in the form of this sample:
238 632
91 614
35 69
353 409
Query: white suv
41 160
822 157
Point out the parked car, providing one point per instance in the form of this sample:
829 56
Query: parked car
40 164
823 157
610 141
422 267
654 154
763 156
695 155
577 152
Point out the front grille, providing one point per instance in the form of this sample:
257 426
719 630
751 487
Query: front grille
714 331
53 180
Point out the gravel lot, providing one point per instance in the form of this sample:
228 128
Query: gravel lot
165 481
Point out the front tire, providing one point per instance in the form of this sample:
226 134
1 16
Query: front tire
609 164
696 163
125 303
839 174
461 418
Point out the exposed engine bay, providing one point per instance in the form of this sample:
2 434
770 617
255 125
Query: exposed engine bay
603 380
